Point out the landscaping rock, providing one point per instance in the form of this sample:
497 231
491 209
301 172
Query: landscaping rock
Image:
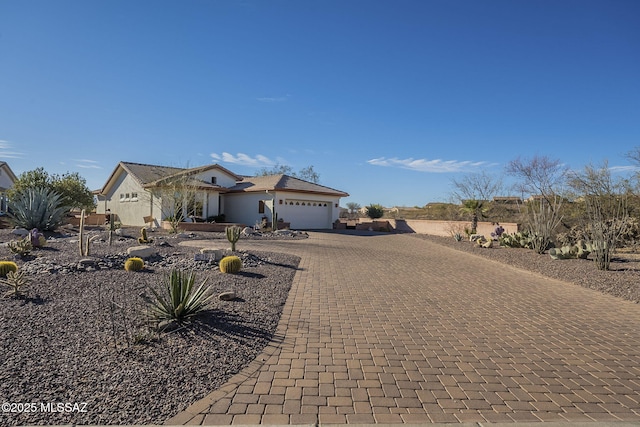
20 232
141 251
227 296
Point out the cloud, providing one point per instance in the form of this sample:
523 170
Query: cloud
425 165
274 99
7 152
87 164
623 169
243 159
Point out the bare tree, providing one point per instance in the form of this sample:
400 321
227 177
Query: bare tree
477 186
177 198
307 174
606 206
539 175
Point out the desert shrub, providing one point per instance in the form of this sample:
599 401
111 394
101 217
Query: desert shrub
22 247
180 299
230 264
37 208
134 264
375 211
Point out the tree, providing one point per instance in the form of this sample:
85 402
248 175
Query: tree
539 175
606 206
375 211
71 186
476 209
178 198
307 174
477 186
353 208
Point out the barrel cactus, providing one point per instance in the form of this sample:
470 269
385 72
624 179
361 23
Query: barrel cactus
134 264
230 264
6 267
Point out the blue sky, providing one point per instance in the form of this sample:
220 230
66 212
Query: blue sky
388 100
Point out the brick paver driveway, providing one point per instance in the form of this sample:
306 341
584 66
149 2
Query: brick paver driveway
395 329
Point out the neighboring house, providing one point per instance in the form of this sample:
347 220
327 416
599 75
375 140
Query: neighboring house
136 191
7 179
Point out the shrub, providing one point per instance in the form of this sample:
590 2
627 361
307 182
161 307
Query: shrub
180 300
230 264
6 267
375 211
134 264
37 208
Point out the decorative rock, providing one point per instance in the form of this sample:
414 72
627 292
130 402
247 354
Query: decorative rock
248 231
474 237
227 296
141 251
20 232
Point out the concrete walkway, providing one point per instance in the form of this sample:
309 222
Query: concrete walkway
394 329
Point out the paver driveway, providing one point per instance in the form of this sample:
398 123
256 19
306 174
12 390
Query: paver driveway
395 329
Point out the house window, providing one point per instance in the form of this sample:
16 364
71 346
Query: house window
134 197
127 197
121 197
260 206
214 180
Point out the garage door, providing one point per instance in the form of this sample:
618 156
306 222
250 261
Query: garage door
308 214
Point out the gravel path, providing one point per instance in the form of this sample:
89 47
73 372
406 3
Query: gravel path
623 280
80 337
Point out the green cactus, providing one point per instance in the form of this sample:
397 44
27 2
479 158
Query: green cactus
230 264
83 242
6 267
20 247
134 264
233 235
578 251
143 236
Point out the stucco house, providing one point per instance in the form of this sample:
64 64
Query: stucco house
7 179
137 192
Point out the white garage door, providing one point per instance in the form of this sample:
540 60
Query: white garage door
308 214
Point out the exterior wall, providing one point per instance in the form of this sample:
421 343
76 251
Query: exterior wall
222 179
5 180
445 228
243 208
128 211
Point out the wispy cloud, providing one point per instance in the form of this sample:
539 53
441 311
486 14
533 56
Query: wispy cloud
425 165
623 169
274 99
6 151
243 159
87 164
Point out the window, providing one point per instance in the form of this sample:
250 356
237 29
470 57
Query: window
121 197
214 180
127 197
134 197
260 206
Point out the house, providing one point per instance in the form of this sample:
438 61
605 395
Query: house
137 193
7 179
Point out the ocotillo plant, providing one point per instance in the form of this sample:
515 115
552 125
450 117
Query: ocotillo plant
233 235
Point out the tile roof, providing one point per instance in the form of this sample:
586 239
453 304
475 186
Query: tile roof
284 183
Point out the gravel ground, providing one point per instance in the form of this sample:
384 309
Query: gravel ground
80 336
623 280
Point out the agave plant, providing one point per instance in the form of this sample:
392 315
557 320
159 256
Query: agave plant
39 208
180 299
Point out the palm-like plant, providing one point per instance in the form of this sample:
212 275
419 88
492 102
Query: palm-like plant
180 300
476 209
39 208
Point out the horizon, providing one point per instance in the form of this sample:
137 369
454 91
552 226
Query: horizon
388 102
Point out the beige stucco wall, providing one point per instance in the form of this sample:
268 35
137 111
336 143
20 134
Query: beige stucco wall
128 211
445 228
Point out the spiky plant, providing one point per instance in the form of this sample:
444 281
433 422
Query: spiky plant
180 299
7 267
39 208
233 235
16 280
20 247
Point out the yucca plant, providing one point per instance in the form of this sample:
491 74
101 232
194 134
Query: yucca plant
180 299
16 281
39 208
